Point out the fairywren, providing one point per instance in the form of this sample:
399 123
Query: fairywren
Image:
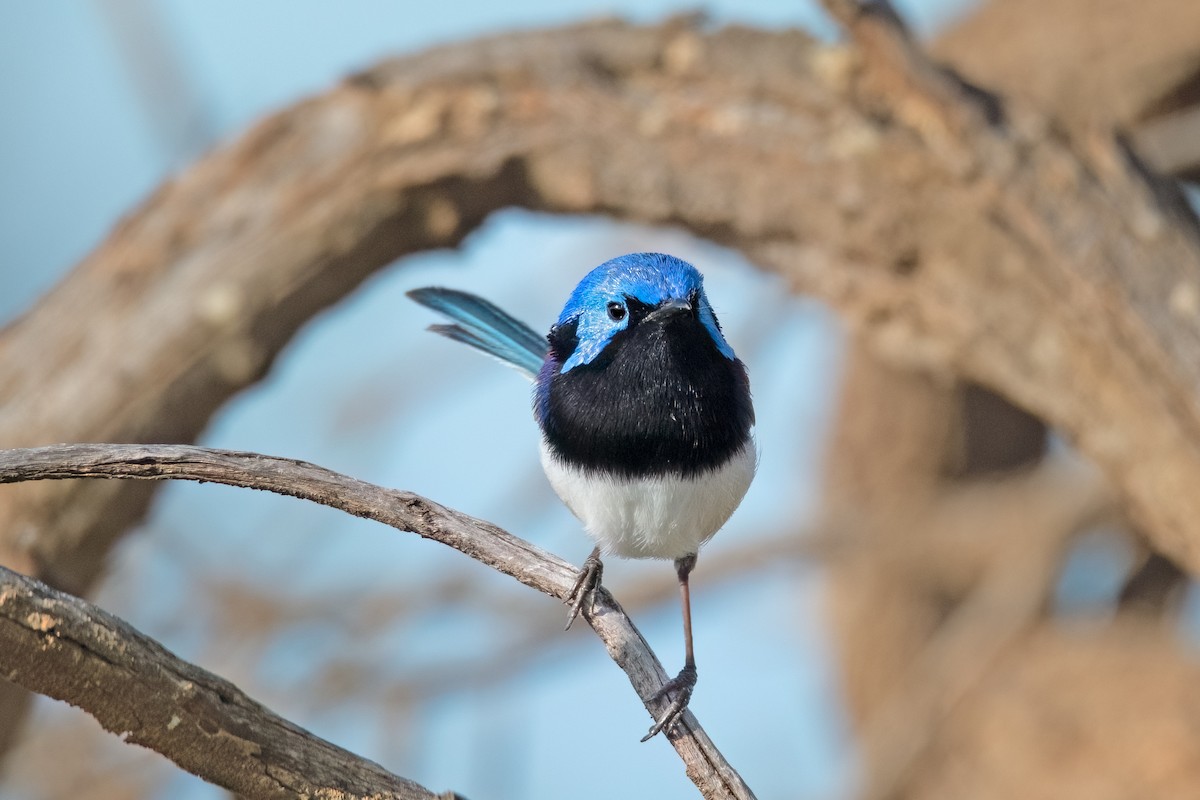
645 416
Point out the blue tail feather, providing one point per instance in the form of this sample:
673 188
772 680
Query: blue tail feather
485 327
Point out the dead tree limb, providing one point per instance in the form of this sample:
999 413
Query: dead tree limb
482 541
66 648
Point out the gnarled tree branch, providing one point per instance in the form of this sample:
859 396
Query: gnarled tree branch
68 649
405 511
957 233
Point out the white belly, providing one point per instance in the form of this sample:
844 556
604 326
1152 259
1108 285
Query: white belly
668 517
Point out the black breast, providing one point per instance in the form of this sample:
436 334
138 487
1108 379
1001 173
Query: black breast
660 399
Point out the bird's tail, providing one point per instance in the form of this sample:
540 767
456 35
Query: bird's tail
485 327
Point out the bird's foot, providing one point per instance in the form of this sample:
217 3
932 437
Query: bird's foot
585 586
681 686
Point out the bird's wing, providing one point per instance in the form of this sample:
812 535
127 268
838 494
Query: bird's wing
485 327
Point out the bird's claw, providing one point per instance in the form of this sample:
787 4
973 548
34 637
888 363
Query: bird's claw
681 686
585 586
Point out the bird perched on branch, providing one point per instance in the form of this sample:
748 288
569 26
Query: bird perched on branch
645 416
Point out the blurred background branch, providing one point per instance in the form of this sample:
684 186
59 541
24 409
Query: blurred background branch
1017 268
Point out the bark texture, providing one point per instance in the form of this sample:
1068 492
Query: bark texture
65 648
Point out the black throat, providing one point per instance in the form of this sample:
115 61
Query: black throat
660 399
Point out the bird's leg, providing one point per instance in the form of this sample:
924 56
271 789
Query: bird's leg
585 585
683 683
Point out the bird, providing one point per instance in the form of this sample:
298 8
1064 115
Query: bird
645 415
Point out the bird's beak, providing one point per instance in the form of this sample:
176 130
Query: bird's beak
669 308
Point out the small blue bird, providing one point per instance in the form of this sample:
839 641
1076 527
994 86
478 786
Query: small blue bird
644 411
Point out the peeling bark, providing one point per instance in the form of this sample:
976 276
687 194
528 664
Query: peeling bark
68 649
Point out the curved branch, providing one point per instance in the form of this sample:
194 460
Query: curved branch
957 233
405 511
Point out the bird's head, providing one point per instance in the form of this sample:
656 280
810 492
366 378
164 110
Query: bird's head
626 292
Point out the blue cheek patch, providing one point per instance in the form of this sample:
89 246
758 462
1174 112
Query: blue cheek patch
593 336
709 320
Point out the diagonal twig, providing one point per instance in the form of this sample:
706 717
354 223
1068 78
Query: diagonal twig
480 540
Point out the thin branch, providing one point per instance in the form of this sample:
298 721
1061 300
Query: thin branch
406 511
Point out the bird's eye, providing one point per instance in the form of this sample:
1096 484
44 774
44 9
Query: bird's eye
616 311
